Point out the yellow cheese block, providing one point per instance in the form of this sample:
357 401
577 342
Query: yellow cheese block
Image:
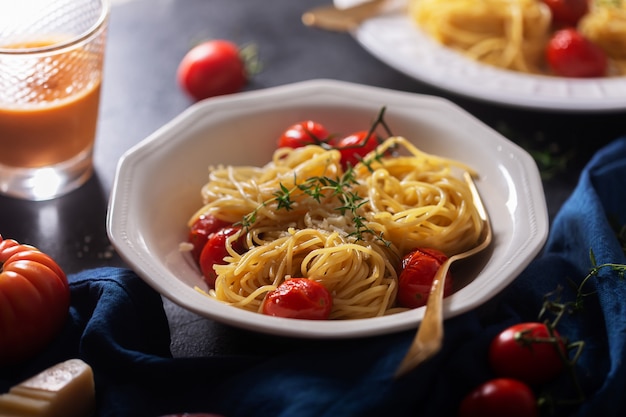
64 390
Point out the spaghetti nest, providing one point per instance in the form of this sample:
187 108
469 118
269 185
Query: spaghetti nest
506 33
605 26
305 216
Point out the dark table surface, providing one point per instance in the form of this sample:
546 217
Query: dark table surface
147 39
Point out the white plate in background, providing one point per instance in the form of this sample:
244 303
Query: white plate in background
395 40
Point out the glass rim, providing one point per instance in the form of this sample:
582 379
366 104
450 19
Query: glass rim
97 26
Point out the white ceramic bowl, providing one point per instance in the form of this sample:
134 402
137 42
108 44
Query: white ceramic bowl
157 189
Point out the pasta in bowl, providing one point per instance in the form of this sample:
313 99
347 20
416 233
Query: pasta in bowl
348 229
157 193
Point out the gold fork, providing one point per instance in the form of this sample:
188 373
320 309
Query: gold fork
429 337
342 20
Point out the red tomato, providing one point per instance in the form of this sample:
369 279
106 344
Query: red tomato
212 68
303 133
523 351
202 230
567 12
498 398
354 147
214 252
416 278
34 300
569 54
299 298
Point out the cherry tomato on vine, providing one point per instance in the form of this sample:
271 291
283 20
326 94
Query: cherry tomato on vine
299 298
416 277
567 12
307 132
212 68
34 300
498 398
214 252
355 146
201 230
570 54
528 352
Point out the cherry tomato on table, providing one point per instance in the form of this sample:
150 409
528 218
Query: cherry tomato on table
299 298
527 352
34 300
499 398
214 252
212 68
201 230
304 133
567 12
570 54
416 277
355 146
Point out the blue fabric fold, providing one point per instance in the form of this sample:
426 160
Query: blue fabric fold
117 324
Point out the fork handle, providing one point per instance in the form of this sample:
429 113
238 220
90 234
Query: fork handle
429 337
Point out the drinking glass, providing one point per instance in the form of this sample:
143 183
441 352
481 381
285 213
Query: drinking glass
51 60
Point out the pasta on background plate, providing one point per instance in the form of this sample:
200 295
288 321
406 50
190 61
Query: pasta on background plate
605 25
514 34
504 33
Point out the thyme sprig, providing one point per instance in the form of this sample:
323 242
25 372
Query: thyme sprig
619 269
555 308
323 188
379 122
328 142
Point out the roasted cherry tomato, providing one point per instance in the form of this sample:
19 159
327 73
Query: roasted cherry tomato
498 398
214 252
34 300
355 146
303 133
570 54
212 68
567 12
528 352
201 230
299 298
416 277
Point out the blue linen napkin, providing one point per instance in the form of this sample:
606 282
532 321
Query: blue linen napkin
117 324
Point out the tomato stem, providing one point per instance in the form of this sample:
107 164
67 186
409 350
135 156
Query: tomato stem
249 54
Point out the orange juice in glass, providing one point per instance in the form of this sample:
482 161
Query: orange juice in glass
51 60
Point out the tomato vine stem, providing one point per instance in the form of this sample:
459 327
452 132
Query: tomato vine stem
558 308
